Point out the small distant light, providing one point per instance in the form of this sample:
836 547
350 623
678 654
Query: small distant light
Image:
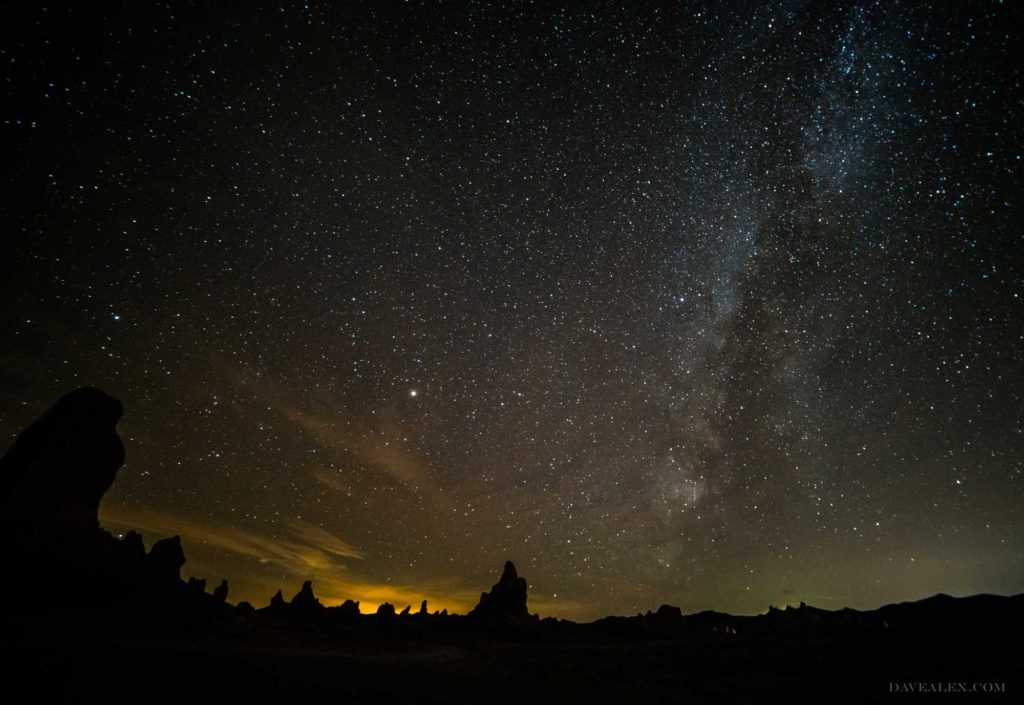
413 392
116 317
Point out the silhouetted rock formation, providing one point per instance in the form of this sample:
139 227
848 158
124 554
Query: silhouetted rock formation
348 608
423 607
166 558
220 593
51 483
133 545
386 610
304 606
667 619
506 601
305 600
53 477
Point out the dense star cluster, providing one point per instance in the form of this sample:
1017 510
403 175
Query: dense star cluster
717 307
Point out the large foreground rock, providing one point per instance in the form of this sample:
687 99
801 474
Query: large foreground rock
51 482
53 477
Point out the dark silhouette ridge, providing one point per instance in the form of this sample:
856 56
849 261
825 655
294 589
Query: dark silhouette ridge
348 608
128 601
506 602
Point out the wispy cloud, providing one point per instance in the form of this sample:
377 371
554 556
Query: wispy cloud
332 480
301 546
322 539
300 551
380 445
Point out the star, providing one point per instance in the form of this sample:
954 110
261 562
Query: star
693 292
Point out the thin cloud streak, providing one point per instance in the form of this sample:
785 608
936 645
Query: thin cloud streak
302 552
380 446
305 546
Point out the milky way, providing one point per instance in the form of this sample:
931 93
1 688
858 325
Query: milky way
716 307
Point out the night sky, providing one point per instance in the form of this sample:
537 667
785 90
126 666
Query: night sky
719 307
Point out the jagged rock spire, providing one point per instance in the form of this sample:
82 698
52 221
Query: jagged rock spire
507 599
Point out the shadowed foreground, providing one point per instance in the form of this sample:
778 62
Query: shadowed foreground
92 618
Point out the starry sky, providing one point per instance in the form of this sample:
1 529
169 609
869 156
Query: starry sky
716 306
